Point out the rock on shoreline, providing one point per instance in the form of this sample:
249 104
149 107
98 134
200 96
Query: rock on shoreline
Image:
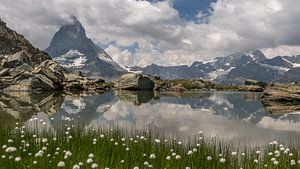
280 99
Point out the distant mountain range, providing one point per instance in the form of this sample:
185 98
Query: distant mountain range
232 69
73 50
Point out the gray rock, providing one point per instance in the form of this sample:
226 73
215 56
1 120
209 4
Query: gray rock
24 67
134 81
281 99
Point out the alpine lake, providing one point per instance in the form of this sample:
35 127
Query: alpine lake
220 129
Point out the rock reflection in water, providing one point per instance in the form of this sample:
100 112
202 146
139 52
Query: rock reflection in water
229 115
21 106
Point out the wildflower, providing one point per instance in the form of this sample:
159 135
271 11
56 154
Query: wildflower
243 154
270 153
116 143
275 162
80 163
68 153
76 166
152 156
257 152
39 154
10 141
256 161
91 156
177 157
209 158
122 161
11 149
127 149
94 165
146 163
123 139
190 152
195 150
291 154
136 167
3 156
89 160
222 160
187 167
168 158
44 140
273 159
61 164
54 139
4 146
233 153
94 140
179 142
173 154
34 162
157 141
17 159
293 162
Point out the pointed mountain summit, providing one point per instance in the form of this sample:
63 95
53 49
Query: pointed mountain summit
74 51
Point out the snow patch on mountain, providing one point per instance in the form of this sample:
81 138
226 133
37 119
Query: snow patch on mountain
219 72
72 59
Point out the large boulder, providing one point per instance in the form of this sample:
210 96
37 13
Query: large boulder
134 81
255 83
281 99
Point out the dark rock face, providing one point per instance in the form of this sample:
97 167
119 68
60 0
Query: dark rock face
133 81
24 67
74 51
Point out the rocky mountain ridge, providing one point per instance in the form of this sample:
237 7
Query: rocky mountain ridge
24 67
232 69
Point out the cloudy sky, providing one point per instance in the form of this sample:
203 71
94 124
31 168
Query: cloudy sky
166 32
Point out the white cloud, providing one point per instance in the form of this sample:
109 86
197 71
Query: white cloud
162 36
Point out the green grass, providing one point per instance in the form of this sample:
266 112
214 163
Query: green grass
141 145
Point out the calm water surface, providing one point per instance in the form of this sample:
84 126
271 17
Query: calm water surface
231 116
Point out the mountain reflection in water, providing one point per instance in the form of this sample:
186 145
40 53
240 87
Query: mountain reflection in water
228 115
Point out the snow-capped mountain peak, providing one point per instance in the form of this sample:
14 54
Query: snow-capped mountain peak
73 49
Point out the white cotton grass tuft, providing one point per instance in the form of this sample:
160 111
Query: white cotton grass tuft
89 160
209 158
61 164
152 156
177 157
11 149
189 152
222 160
76 166
91 155
17 159
94 165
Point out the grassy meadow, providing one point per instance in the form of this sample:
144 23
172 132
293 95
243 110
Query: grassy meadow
113 148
